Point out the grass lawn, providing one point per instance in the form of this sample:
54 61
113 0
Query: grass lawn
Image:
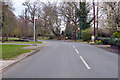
10 38
0 51
78 40
30 42
41 38
10 51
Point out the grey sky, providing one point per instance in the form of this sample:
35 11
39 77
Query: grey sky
18 4
18 7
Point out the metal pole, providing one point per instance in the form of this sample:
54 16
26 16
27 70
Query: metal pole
34 32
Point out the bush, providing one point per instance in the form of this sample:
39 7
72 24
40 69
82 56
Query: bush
115 42
116 35
98 42
115 39
105 40
51 37
118 42
85 35
111 41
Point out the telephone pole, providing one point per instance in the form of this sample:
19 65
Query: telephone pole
26 26
119 16
97 19
94 20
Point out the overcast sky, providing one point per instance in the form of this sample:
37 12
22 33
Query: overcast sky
19 7
18 4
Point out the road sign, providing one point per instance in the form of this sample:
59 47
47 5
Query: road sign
36 20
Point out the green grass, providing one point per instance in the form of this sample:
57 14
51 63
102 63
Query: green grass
0 51
10 38
10 51
79 41
30 42
41 38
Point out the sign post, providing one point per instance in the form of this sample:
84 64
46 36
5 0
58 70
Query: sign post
34 31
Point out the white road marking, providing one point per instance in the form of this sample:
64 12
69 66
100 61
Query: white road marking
73 46
85 63
77 51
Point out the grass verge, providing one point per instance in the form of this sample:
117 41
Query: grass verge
30 42
10 51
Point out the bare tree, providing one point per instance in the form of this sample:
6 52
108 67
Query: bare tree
110 18
9 20
50 18
32 8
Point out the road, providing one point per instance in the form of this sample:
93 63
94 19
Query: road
67 60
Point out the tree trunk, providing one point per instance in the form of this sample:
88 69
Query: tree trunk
3 38
6 37
75 29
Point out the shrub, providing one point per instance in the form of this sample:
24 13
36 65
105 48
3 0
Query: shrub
105 40
98 42
85 35
117 42
111 41
116 35
115 39
51 37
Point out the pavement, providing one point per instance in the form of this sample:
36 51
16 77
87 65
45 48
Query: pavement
67 60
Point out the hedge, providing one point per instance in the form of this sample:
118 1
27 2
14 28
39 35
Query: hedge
111 41
105 40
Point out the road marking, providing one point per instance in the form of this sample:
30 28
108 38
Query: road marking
73 46
85 63
77 51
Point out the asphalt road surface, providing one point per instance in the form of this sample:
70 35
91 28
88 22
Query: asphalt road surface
67 60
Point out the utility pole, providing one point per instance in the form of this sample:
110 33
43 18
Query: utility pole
75 23
94 20
97 19
26 22
79 1
119 15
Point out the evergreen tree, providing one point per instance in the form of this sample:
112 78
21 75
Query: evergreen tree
83 16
